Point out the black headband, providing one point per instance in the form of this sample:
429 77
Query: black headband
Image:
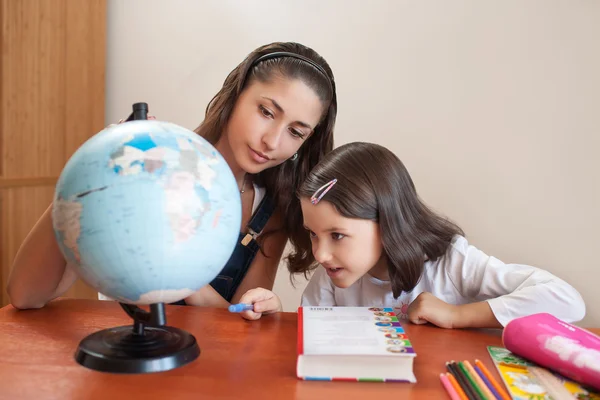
279 54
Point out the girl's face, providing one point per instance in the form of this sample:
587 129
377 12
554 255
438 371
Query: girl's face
347 248
269 123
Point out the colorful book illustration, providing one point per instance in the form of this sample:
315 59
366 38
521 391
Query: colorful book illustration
353 344
526 380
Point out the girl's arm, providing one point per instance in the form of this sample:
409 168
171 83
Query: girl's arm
39 273
507 291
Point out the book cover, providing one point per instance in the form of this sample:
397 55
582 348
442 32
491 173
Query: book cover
526 380
353 344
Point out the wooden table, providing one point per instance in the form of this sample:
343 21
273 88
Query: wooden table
239 359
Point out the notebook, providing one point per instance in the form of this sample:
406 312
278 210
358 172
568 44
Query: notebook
526 380
353 344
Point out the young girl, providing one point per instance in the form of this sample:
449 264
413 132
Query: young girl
374 243
272 121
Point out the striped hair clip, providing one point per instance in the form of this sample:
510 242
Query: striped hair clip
322 191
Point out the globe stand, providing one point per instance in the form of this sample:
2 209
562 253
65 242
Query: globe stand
147 346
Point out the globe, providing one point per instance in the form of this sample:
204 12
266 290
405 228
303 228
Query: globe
146 212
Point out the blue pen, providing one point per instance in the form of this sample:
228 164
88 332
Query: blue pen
241 307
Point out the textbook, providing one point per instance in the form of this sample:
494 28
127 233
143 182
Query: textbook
353 344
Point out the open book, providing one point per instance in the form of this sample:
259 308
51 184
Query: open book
353 344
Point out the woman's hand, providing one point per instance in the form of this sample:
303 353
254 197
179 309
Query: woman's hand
264 301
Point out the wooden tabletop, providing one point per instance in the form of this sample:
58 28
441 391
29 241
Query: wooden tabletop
239 359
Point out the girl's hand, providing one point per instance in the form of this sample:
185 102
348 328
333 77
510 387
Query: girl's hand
428 308
264 301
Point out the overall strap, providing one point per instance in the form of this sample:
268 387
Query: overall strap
259 219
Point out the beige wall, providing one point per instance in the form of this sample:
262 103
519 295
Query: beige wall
493 106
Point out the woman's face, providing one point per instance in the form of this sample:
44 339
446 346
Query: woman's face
270 121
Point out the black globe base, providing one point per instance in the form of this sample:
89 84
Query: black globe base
146 346
121 350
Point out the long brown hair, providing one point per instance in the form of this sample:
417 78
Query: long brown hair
282 181
373 184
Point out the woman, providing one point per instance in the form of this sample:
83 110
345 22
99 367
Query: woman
272 121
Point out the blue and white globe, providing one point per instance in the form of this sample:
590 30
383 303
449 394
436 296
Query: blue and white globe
146 212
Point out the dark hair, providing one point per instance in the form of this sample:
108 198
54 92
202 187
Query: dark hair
282 181
373 184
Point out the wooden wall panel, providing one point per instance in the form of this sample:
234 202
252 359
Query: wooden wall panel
52 99
33 88
85 66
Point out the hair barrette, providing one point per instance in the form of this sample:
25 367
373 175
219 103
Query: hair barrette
325 188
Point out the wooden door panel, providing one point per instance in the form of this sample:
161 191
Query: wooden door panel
33 88
52 95
85 77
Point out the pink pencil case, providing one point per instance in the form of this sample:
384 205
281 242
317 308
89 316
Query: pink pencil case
554 344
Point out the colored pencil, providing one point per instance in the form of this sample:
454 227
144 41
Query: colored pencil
449 388
500 389
461 393
462 380
484 389
487 382
471 379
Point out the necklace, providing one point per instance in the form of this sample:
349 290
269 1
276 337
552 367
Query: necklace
243 184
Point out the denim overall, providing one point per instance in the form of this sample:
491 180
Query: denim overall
230 277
